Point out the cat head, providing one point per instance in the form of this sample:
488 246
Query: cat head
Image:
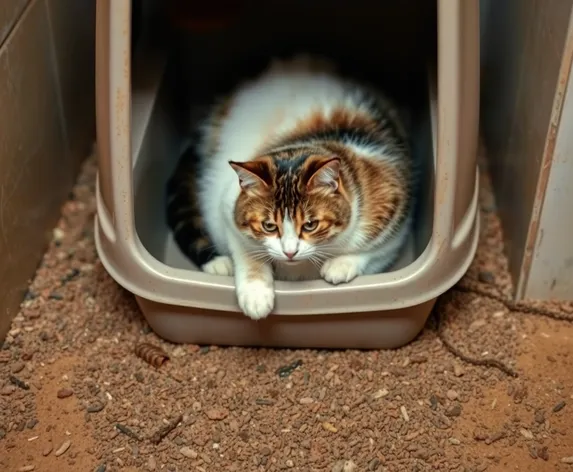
294 205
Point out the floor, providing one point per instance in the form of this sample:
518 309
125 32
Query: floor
75 397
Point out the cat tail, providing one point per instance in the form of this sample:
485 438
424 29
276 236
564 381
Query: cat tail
183 214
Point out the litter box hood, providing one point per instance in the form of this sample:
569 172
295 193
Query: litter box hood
135 132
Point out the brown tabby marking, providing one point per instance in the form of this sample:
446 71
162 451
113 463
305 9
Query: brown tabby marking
383 193
285 175
339 118
286 188
381 187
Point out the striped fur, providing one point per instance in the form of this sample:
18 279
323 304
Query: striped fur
183 215
301 174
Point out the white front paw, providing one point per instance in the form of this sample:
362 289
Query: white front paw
256 299
220 265
340 270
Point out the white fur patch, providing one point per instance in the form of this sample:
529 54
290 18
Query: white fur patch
256 298
340 270
220 265
289 238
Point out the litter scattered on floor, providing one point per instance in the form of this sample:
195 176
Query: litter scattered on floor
76 394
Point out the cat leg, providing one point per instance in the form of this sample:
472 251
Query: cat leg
219 265
343 269
254 284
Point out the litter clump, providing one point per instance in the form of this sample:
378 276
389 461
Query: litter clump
287 370
151 354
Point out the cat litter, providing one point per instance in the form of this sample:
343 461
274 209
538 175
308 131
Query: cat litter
94 354
287 370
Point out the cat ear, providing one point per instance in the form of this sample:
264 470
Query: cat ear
325 174
252 174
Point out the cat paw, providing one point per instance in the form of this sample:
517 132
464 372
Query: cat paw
220 265
256 299
340 270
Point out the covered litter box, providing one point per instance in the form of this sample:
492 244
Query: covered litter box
140 132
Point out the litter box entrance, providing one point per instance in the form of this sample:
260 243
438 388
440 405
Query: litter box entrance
389 44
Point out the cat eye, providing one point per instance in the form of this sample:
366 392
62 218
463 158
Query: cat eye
269 226
310 225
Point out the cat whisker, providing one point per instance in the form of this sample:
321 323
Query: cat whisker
261 257
321 255
325 247
315 262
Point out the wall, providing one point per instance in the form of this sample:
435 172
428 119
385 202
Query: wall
522 49
46 128
549 265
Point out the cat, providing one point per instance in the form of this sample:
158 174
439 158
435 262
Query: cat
298 174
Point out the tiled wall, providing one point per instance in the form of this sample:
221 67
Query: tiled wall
46 128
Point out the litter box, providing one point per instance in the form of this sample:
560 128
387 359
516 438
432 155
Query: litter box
139 138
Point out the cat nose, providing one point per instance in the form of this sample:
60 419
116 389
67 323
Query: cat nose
291 254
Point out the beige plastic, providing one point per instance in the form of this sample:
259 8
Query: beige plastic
185 305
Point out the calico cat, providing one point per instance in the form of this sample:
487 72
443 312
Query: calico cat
299 174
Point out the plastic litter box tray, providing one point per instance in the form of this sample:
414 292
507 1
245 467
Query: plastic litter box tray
138 149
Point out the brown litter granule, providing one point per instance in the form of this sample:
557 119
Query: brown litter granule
63 448
418 408
151 354
165 429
